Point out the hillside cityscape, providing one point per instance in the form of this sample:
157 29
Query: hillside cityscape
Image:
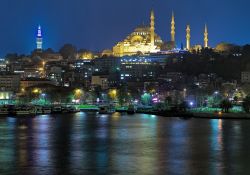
135 87
142 70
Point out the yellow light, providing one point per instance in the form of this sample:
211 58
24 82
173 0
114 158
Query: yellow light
220 113
36 91
113 94
78 93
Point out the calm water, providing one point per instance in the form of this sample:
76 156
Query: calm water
140 144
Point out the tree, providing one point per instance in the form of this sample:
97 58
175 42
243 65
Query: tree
123 95
146 99
12 57
49 51
246 104
226 105
68 51
168 101
112 94
183 106
227 48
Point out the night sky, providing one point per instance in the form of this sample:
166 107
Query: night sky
99 24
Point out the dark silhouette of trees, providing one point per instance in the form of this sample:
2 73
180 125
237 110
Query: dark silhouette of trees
228 66
246 104
183 106
68 51
226 105
49 51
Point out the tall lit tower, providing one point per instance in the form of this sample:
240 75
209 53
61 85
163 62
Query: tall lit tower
188 37
152 28
39 39
173 28
206 37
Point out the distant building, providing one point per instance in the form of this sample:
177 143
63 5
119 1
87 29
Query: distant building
52 57
84 67
140 68
100 80
55 74
29 82
106 64
28 73
9 83
83 71
3 66
245 77
173 76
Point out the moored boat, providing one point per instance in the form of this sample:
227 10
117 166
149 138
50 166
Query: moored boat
4 110
57 109
46 110
24 111
106 110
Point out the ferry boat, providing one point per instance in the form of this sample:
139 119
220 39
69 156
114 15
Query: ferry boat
24 110
72 109
57 109
106 110
39 109
46 110
4 110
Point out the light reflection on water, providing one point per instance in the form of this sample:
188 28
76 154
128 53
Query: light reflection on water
88 143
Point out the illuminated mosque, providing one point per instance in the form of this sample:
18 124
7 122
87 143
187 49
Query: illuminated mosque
144 40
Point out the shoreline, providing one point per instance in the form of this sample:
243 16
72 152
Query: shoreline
200 115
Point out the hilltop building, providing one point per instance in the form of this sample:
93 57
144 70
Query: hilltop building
143 40
39 39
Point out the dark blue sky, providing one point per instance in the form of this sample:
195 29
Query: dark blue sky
99 24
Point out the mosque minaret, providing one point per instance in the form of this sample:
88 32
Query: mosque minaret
145 40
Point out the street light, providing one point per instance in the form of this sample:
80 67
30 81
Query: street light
78 93
113 94
36 91
216 92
